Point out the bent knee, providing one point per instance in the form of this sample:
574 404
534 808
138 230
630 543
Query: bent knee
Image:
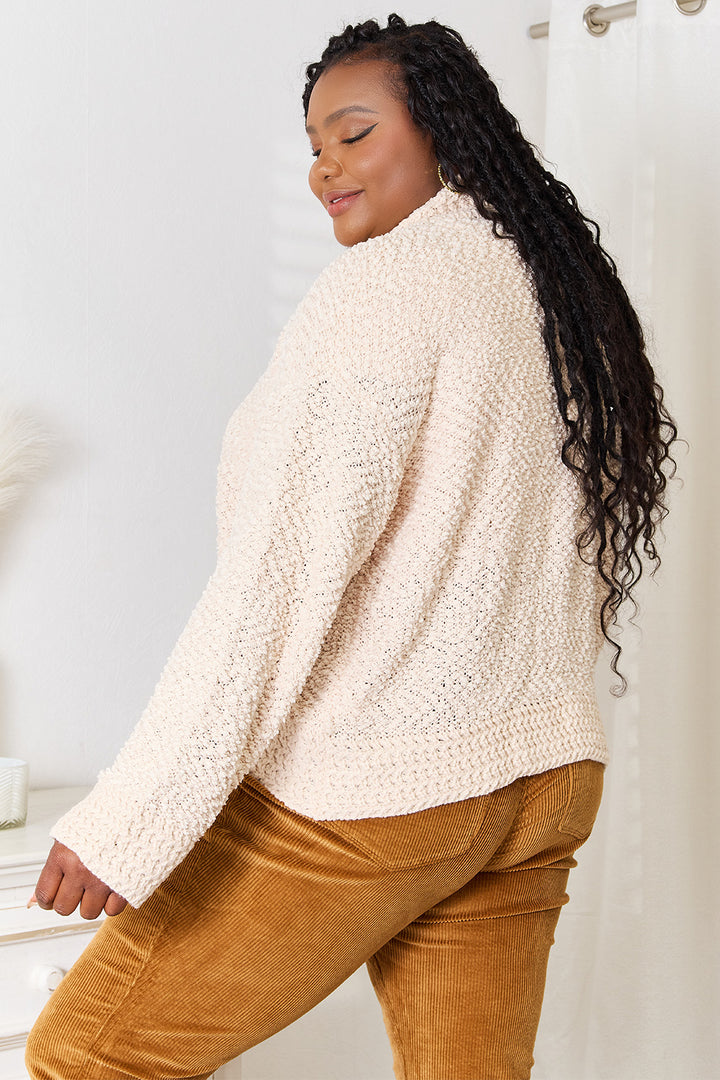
54 1049
39 1052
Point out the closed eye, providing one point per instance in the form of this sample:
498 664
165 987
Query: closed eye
354 139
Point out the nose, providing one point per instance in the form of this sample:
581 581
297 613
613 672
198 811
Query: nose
326 165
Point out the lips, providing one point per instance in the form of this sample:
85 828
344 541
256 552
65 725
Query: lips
337 202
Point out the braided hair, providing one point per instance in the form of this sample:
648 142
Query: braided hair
618 431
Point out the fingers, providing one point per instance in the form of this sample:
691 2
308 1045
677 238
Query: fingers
66 883
93 902
98 899
68 896
115 904
48 883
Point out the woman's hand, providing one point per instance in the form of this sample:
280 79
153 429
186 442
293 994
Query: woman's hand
65 882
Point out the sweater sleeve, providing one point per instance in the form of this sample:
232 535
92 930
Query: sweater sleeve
349 386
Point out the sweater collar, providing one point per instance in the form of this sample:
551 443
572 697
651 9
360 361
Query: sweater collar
444 201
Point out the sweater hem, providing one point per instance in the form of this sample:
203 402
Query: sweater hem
430 772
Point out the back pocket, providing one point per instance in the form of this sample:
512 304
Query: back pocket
417 839
583 799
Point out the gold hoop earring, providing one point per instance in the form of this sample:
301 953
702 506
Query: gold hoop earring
442 179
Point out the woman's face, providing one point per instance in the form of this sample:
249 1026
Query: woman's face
373 166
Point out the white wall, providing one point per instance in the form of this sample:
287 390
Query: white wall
157 230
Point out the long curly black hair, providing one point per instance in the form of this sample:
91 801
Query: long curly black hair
619 432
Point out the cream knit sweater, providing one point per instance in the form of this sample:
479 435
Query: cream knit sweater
398 617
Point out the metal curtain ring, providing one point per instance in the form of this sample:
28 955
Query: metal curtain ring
595 26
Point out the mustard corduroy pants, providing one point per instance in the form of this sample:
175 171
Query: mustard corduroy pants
453 909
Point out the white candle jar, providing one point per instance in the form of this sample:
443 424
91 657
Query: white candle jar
13 792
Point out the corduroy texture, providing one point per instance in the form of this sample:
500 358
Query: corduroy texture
399 617
453 908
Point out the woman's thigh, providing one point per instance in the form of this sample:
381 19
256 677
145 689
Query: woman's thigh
461 987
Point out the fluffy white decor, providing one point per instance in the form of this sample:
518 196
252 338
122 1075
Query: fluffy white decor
24 454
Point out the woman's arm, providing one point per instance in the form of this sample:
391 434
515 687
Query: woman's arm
327 462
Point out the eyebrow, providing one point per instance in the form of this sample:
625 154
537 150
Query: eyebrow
341 112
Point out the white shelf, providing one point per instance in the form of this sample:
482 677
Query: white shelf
32 841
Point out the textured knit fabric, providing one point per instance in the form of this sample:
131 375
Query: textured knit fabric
398 617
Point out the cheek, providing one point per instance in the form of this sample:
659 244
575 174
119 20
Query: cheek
392 171
378 166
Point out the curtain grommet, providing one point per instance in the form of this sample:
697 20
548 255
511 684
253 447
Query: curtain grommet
689 7
596 27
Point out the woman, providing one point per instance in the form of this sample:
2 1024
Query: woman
377 739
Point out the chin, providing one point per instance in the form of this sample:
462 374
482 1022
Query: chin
349 238
348 234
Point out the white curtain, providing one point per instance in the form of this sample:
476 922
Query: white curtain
633 126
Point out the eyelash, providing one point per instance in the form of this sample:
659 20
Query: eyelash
355 138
